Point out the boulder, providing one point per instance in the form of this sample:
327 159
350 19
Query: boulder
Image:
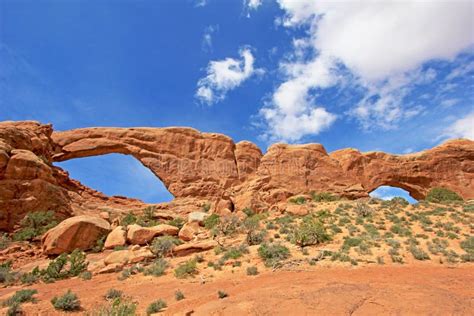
117 237
128 256
78 232
188 231
224 212
193 247
298 210
111 268
198 217
138 235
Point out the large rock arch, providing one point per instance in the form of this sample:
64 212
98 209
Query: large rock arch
210 166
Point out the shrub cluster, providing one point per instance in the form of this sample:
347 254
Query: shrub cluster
186 269
310 232
156 307
163 246
35 224
441 195
272 254
66 302
324 197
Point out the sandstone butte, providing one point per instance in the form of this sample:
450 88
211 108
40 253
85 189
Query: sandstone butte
208 168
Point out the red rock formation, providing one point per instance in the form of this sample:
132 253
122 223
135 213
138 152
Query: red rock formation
198 166
29 182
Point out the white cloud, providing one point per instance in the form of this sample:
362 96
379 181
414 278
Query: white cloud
252 4
462 128
225 75
381 44
206 43
292 112
449 102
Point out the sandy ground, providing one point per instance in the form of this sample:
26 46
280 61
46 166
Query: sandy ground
377 290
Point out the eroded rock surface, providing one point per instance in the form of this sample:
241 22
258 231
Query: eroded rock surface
78 232
197 166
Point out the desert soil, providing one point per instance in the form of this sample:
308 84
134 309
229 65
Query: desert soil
379 290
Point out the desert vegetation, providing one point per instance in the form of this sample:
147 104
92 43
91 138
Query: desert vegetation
330 232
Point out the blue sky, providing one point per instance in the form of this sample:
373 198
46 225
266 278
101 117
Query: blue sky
391 76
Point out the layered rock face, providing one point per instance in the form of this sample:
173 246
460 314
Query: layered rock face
208 166
29 182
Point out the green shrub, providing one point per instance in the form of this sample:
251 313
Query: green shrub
299 200
30 277
157 268
221 294
128 219
99 244
35 224
272 254
7 276
206 207
86 275
163 246
112 294
340 256
363 209
249 211
126 273
397 259
118 307
418 253
178 295
324 197
14 310
211 221
156 307
77 263
21 296
118 248
440 195
186 269
400 230
351 242
437 246
178 222
255 237
235 252
56 270
229 225
468 244
398 200
252 270
66 302
310 232
4 241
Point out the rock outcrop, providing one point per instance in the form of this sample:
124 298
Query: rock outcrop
138 235
197 166
78 232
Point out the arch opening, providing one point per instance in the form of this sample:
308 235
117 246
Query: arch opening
118 174
386 192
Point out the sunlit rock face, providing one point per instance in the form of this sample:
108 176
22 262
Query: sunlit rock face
197 166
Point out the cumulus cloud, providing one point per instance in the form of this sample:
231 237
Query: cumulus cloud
292 111
225 75
382 45
462 128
